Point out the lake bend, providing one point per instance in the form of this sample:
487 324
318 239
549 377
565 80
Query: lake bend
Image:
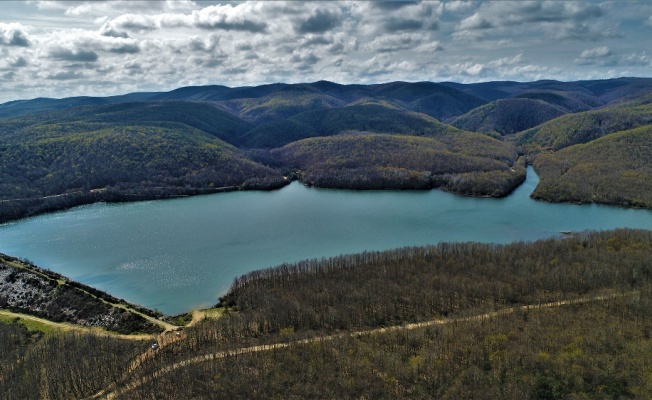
181 254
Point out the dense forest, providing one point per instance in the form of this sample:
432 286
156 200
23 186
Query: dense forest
55 154
508 116
374 161
553 319
614 169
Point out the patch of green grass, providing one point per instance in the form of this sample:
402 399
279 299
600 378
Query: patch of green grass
180 320
32 326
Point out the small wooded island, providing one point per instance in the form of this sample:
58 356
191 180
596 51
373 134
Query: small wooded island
560 318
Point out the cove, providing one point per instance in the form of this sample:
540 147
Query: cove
181 254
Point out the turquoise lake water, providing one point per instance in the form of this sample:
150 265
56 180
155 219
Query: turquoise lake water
181 254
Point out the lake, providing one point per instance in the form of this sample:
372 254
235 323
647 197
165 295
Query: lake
177 255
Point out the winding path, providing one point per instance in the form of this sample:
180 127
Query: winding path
110 393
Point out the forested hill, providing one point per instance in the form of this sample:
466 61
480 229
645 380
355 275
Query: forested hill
442 101
56 154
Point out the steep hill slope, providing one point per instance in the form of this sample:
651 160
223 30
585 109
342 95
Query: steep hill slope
584 127
615 169
57 165
436 100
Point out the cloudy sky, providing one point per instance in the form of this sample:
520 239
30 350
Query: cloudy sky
97 48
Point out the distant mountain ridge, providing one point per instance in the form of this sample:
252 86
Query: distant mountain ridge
440 100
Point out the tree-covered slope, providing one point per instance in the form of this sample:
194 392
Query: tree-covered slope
279 106
433 99
370 117
584 127
88 162
570 102
507 116
19 108
615 169
473 166
165 114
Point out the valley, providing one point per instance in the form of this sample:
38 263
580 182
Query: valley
469 139
490 301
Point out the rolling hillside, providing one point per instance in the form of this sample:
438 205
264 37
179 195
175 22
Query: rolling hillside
570 102
370 117
376 161
210 138
85 157
614 169
439 100
507 116
584 127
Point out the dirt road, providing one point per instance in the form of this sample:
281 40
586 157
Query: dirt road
109 394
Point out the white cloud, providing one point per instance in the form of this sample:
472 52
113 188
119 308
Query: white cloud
501 62
641 59
13 34
596 56
597 52
392 43
558 19
475 21
76 8
110 47
219 17
456 6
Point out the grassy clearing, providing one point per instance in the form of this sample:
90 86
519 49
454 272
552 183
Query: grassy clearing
32 326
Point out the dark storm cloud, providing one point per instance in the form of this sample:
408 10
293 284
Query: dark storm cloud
307 59
319 22
73 55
